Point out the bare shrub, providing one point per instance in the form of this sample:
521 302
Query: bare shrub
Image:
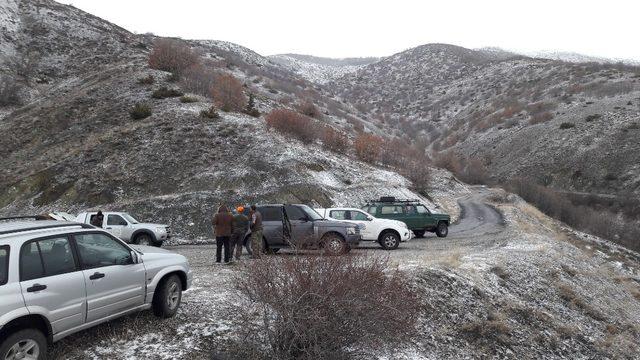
450 161
210 113
368 147
314 307
540 118
9 91
147 80
186 99
308 108
140 111
172 55
293 124
228 93
164 92
567 125
334 140
198 79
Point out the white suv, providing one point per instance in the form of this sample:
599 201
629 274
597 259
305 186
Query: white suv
388 233
59 277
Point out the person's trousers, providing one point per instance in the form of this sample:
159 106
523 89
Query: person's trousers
237 240
256 243
247 245
222 241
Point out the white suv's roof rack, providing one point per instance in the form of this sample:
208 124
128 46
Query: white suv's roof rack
38 223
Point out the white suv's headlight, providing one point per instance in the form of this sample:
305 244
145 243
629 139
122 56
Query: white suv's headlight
351 231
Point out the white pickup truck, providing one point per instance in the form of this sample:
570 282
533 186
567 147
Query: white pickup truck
388 233
128 229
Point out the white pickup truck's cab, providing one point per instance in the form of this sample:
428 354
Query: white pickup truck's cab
388 233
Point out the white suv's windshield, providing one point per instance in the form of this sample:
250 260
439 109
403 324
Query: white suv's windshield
130 218
4 262
312 214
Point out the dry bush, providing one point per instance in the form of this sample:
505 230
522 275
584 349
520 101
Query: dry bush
198 79
308 108
567 125
540 118
475 172
228 93
172 55
450 161
315 307
164 92
186 99
597 221
495 327
368 147
9 91
140 111
334 140
210 113
147 80
294 124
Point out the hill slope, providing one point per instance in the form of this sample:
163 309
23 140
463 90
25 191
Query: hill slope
509 112
72 144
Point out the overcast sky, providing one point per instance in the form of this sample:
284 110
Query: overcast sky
343 28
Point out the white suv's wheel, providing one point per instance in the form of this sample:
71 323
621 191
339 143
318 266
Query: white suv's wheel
24 344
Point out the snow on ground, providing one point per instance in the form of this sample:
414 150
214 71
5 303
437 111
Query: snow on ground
315 73
525 286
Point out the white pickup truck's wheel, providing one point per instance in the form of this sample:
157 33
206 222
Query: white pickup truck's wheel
389 240
143 239
167 297
25 344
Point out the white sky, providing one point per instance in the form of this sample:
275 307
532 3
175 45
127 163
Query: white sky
343 28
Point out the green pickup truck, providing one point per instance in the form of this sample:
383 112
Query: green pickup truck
413 213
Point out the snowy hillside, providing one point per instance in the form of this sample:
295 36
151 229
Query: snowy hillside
320 70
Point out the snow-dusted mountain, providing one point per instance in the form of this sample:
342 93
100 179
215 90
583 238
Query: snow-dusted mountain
573 126
320 70
72 145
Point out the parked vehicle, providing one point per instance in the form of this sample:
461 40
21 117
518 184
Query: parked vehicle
299 226
60 277
417 216
130 230
388 233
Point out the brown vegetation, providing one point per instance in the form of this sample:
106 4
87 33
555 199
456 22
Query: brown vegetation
228 93
368 147
172 55
334 140
294 124
314 307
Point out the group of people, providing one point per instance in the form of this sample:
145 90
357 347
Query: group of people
230 230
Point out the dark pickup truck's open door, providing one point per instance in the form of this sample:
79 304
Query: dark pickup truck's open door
286 227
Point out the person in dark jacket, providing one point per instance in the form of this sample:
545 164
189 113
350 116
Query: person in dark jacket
256 232
97 219
223 228
240 228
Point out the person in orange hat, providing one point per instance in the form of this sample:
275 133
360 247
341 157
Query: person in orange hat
240 228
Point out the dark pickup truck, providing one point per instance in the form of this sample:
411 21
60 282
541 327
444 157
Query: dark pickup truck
301 227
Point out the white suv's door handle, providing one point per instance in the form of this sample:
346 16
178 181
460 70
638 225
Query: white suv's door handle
36 287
